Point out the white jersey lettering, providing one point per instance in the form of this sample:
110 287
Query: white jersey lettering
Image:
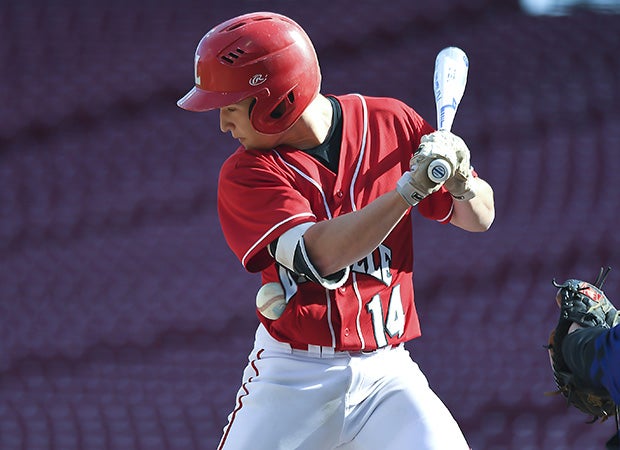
377 264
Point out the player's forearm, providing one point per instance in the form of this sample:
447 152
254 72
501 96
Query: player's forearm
337 243
478 213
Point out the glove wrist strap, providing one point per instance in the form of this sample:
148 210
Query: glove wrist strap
467 195
408 191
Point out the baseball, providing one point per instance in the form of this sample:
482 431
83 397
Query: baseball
270 300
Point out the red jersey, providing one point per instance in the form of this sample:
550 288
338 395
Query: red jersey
264 193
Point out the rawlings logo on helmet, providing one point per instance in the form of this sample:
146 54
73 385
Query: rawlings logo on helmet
257 79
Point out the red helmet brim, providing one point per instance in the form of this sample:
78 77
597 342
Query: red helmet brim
198 100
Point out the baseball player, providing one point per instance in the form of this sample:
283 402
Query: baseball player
317 198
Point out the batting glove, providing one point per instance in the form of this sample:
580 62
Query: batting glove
415 186
454 149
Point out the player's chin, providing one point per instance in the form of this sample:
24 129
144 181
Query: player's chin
248 145
244 145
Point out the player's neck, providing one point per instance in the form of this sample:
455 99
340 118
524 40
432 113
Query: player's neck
313 126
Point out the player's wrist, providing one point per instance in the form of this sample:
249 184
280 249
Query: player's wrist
411 190
463 195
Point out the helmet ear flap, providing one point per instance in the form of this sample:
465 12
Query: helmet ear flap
281 108
270 116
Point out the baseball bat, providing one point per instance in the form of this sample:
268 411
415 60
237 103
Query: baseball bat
449 80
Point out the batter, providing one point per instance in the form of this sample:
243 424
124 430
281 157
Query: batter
317 198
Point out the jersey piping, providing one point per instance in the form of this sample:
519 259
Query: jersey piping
310 180
262 238
362 150
354 208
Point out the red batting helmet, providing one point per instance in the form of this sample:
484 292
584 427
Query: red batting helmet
262 55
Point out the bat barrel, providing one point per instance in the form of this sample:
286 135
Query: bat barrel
449 80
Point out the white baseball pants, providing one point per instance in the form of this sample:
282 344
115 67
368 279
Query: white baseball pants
320 400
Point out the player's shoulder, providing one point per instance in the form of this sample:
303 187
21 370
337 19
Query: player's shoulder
247 158
382 110
373 102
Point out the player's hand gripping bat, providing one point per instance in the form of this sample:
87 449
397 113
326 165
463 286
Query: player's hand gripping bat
449 80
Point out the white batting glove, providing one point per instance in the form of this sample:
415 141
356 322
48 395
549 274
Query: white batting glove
438 144
414 186
460 185
444 143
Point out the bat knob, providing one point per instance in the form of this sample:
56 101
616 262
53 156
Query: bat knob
439 170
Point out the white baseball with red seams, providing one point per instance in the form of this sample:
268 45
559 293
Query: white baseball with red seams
270 300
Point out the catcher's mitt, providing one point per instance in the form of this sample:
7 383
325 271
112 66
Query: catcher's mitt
587 305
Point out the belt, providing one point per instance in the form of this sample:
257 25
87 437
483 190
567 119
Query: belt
321 351
265 340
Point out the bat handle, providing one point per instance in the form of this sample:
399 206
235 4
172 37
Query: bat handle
439 170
